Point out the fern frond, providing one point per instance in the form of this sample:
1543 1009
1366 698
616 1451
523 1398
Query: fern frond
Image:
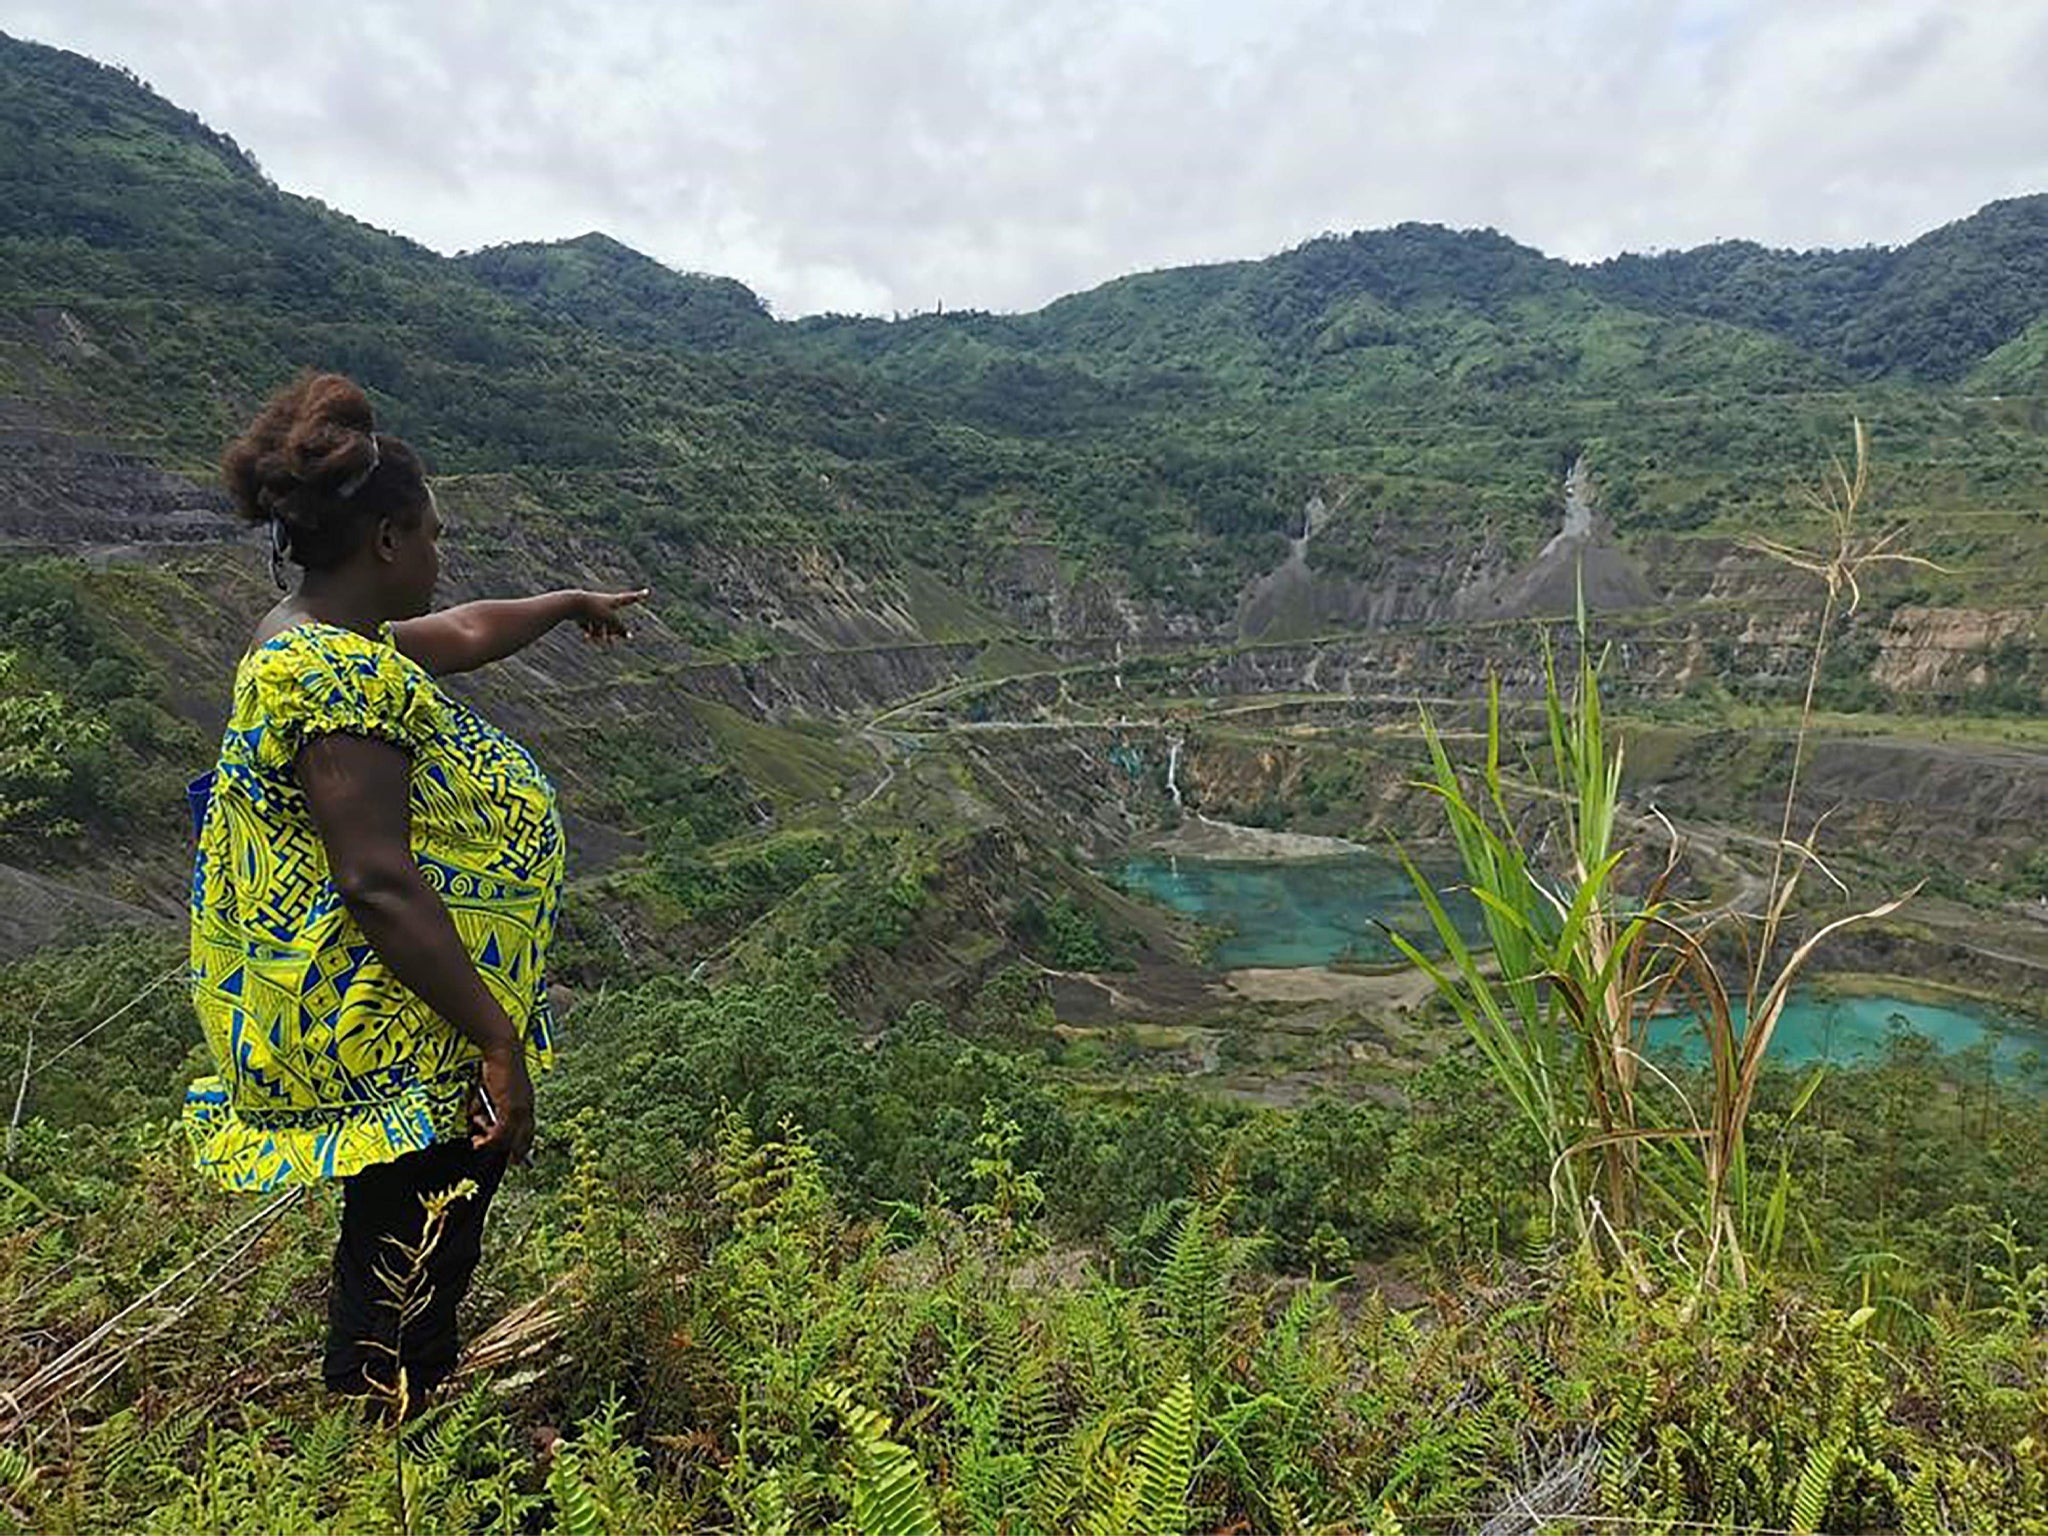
1920 1509
321 1448
18 1474
1621 1453
577 1512
890 1497
1816 1481
456 1432
155 1454
1165 1463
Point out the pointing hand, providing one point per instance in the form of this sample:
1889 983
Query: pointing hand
601 614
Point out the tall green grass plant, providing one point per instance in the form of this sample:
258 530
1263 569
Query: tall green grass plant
1587 946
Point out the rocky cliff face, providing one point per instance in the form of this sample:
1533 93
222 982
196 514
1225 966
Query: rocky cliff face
60 490
1061 691
1934 651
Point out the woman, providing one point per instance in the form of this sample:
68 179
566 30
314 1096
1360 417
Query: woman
377 881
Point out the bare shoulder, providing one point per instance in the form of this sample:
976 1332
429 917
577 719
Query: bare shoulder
274 623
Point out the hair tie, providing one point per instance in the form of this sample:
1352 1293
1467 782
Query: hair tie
357 481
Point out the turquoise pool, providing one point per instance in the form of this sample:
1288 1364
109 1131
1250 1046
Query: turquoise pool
1322 911
1315 912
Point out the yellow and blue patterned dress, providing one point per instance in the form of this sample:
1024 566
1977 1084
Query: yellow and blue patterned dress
327 1062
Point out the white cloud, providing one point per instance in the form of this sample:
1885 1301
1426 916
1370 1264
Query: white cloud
891 154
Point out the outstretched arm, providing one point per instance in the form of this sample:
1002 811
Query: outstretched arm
475 634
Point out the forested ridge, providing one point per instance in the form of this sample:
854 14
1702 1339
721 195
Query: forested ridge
1209 397
900 1172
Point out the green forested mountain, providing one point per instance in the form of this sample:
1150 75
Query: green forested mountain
1930 310
206 283
1168 424
1379 315
603 286
1124 468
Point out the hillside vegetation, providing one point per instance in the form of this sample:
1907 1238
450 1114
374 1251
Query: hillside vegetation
902 1174
1167 426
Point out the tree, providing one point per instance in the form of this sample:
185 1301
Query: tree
38 730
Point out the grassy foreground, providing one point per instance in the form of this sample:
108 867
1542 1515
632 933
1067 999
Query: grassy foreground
719 1341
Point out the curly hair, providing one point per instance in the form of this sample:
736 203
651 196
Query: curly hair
313 462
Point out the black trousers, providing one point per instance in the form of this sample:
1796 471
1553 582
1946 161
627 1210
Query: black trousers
386 1308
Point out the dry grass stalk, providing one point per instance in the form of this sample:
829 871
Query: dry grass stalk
1841 566
523 1333
408 1285
94 1358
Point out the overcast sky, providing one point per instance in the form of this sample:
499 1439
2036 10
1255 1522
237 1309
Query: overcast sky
885 155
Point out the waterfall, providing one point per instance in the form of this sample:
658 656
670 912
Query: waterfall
1578 507
1173 773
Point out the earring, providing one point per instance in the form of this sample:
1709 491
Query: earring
277 549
